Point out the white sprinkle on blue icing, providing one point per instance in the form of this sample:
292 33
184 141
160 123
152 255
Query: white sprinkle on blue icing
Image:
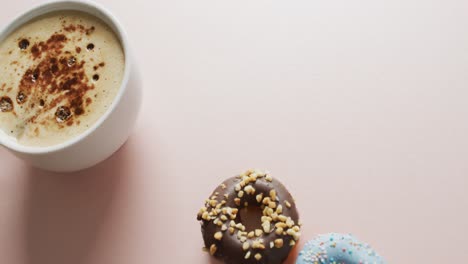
336 248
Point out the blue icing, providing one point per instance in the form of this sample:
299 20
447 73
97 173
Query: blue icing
336 248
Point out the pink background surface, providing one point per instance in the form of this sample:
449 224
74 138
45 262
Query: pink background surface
359 108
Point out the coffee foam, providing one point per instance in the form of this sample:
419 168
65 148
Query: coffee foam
59 73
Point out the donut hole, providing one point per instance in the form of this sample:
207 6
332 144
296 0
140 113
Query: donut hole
250 216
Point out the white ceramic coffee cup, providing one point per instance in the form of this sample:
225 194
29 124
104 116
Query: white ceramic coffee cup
113 128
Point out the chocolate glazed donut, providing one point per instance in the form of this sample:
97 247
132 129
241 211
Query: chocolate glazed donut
224 226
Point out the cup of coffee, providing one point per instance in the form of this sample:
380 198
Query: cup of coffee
69 92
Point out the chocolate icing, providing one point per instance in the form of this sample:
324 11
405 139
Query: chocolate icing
230 247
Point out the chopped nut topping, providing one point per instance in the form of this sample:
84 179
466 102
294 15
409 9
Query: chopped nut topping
258 256
240 226
240 194
251 234
287 204
246 179
266 226
269 211
253 177
281 224
247 255
213 249
258 232
279 209
218 235
297 236
292 243
273 194
206 216
278 243
202 210
249 189
279 230
294 234
259 197
258 244
223 227
274 216
245 246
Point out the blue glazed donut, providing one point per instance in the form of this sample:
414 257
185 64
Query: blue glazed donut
336 248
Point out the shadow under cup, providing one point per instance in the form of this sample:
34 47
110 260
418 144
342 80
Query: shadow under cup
111 130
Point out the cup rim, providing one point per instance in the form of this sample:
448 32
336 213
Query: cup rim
113 23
